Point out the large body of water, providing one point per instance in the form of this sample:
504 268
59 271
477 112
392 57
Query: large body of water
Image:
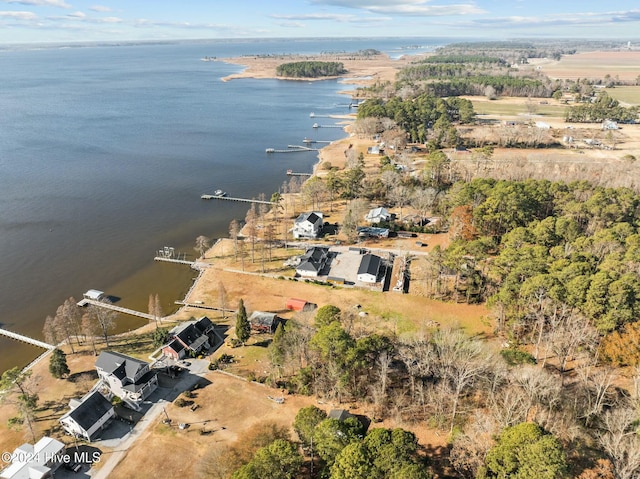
105 151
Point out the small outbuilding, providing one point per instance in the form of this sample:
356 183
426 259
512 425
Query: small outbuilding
94 295
369 268
295 304
264 322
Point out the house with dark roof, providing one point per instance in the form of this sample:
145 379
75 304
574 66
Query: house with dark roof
128 378
308 225
313 261
264 322
35 461
88 417
369 268
190 338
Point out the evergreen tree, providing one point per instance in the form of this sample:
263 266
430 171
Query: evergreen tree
58 364
243 328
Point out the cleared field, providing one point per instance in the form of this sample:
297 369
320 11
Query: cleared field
623 64
509 106
629 95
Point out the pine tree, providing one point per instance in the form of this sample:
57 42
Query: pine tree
58 364
243 328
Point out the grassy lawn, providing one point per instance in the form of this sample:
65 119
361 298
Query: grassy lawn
626 94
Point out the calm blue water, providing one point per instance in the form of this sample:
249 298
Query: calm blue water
105 151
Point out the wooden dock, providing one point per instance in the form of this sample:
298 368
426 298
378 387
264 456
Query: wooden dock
291 149
119 309
26 339
205 306
309 140
315 125
244 200
293 173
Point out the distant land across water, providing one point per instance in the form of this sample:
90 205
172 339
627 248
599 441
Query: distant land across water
105 151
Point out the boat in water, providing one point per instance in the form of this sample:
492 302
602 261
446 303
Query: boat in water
219 193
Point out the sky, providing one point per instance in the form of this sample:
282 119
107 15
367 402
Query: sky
29 21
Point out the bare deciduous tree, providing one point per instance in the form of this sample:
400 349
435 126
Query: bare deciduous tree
202 245
620 440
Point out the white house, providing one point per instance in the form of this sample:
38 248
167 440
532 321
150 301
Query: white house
376 215
88 417
369 268
308 225
128 378
35 461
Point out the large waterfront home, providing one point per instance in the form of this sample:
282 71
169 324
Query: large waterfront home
308 225
128 378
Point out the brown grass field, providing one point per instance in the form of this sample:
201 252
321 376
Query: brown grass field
592 65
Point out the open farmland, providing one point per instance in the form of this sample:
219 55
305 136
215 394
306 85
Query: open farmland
593 65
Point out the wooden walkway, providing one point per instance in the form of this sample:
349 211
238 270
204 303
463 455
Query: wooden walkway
293 173
26 339
291 149
229 198
204 306
119 309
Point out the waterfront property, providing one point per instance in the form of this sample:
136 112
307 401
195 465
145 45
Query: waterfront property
189 339
128 378
308 225
35 461
88 417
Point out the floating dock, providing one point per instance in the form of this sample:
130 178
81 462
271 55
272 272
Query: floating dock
26 339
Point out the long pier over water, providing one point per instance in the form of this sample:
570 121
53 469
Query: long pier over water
119 309
229 198
26 339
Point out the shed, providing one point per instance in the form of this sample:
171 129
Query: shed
295 304
264 322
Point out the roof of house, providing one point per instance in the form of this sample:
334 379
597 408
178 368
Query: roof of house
38 454
370 264
376 212
90 410
120 365
192 337
313 217
204 324
140 383
176 345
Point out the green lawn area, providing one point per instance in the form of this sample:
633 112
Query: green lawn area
626 94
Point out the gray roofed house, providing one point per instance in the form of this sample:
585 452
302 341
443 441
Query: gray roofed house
313 261
128 378
89 417
369 268
191 337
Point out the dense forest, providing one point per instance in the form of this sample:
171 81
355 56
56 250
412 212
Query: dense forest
310 69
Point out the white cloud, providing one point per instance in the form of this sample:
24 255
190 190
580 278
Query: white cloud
77 15
41 3
19 15
100 8
333 17
405 7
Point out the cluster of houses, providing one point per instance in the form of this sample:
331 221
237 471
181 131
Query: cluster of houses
130 379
